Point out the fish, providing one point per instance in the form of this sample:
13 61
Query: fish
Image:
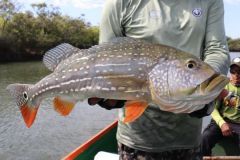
134 70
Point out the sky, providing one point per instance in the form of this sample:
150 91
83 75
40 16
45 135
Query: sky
92 10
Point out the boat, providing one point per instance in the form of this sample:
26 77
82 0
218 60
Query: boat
104 143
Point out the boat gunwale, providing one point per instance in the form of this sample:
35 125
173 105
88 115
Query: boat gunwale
89 142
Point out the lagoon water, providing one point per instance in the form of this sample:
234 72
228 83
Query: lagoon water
51 136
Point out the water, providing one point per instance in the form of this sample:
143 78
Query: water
51 136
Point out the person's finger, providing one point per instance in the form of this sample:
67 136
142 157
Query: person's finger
93 100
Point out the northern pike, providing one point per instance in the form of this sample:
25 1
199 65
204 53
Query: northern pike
126 69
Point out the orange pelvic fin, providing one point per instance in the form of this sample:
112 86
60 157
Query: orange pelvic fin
28 114
133 110
63 106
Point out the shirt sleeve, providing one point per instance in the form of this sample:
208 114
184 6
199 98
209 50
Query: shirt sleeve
111 20
216 51
216 115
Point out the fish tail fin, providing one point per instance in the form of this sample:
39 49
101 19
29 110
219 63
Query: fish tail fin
20 94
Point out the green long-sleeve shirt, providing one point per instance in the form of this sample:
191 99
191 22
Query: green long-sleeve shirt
194 26
222 111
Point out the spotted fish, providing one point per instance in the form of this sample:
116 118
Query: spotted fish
126 69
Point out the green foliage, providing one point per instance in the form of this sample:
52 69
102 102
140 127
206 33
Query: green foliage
234 45
33 33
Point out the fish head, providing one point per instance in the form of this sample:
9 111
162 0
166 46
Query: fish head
184 81
27 106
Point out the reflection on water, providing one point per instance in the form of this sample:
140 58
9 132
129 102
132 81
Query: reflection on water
51 136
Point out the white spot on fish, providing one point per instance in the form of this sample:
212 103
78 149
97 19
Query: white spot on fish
113 88
121 88
89 87
83 89
98 87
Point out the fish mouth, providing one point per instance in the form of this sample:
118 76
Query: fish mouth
206 91
203 94
215 83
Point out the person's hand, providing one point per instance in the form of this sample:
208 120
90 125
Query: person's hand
106 103
226 130
232 101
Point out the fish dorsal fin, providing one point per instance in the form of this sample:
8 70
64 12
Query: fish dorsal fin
63 105
56 55
133 110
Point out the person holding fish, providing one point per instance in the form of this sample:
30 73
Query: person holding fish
148 64
226 114
196 27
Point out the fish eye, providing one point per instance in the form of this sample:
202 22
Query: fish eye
25 96
191 64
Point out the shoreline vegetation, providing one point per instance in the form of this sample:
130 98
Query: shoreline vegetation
26 36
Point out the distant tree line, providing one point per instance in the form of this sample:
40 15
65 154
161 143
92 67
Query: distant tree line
234 44
27 35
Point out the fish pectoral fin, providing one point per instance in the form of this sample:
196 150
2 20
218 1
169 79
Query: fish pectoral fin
28 114
63 106
133 110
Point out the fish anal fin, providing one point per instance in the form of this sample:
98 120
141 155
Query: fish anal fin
28 114
63 106
133 110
